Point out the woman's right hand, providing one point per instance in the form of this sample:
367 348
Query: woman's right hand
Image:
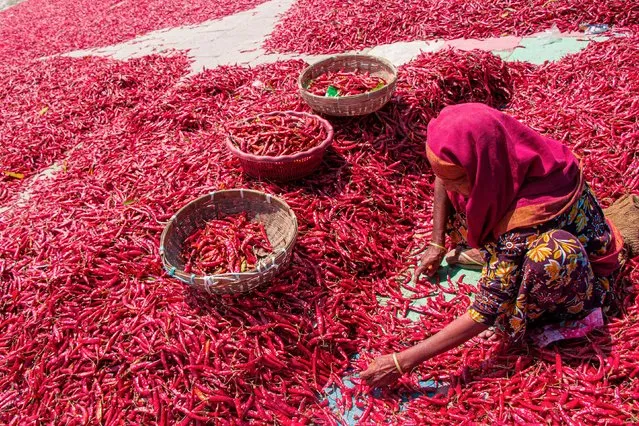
430 261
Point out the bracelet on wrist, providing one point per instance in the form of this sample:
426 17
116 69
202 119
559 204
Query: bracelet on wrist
437 245
399 368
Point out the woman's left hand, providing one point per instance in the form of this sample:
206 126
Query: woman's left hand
381 372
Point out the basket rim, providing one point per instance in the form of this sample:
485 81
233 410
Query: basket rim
362 96
179 274
289 157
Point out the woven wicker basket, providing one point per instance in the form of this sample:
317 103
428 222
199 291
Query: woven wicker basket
278 219
624 213
363 104
284 167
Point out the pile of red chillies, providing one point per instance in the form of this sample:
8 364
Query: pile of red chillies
607 141
64 26
335 26
93 331
228 244
346 83
277 134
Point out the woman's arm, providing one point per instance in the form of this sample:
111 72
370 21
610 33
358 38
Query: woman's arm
451 336
497 286
442 208
383 371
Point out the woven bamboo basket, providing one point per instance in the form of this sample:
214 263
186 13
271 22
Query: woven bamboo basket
624 213
278 219
356 105
284 168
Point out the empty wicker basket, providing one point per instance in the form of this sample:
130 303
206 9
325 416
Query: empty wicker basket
278 219
363 104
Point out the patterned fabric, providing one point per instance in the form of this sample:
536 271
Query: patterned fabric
542 273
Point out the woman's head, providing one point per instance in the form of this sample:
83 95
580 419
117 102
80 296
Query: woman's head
452 176
492 165
458 138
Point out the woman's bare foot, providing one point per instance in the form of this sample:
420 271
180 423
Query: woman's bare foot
465 258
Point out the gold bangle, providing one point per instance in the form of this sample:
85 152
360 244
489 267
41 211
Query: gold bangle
436 245
397 364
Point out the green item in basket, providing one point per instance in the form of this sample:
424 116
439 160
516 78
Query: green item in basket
332 92
380 85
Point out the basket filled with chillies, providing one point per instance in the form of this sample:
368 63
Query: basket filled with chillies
229 241
348 85
280 146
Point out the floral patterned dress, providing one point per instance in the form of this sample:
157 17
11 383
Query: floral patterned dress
542 273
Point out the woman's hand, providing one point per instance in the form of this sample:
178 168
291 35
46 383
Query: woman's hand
381 372
430 261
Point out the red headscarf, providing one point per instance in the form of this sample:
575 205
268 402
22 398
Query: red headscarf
517 177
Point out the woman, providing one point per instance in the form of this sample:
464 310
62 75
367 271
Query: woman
548 252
